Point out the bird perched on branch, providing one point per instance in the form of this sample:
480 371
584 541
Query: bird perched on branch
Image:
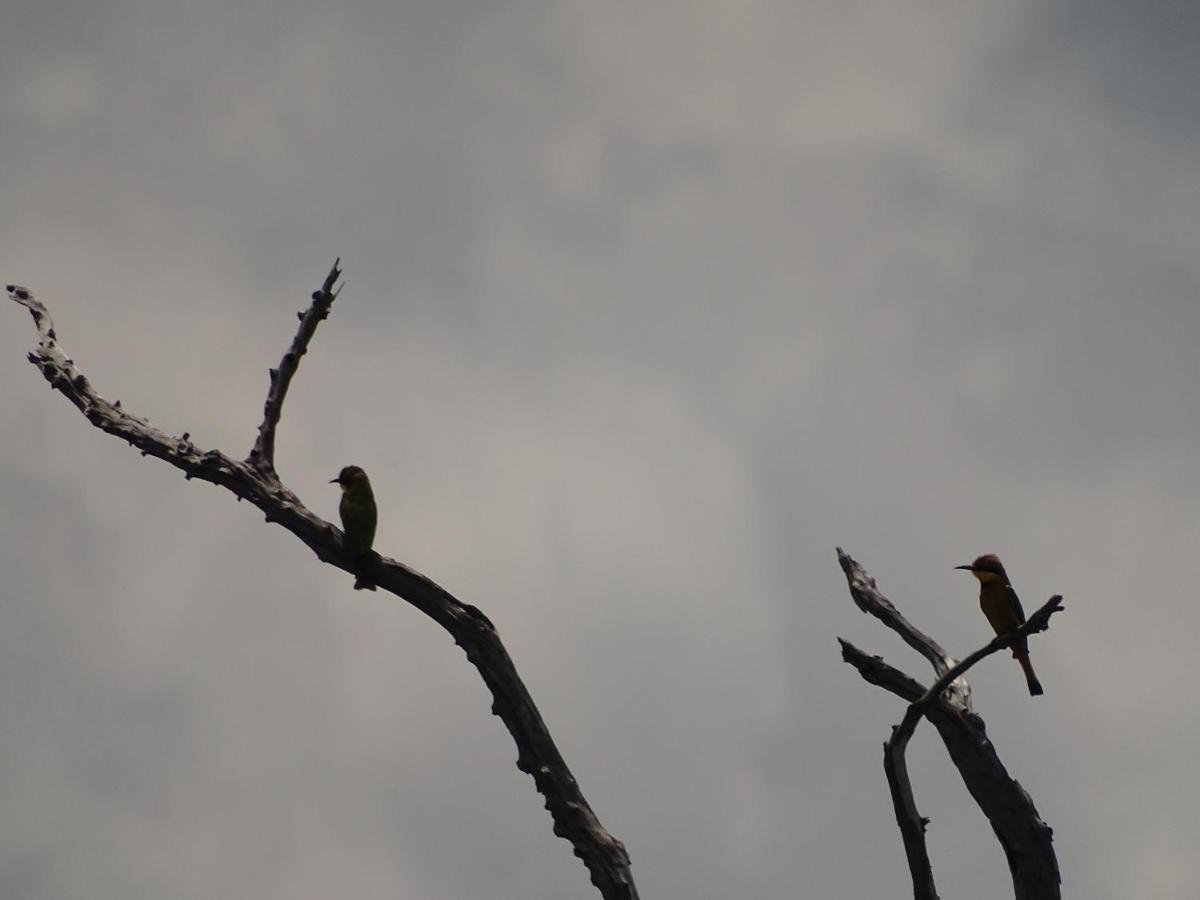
1002 607
359 515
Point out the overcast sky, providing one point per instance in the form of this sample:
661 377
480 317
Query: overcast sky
648 306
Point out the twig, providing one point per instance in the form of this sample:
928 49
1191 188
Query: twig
263 453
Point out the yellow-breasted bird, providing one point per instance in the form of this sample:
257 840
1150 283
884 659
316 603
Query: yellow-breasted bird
1002 607
359 515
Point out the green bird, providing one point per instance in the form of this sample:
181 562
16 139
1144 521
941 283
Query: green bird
358 518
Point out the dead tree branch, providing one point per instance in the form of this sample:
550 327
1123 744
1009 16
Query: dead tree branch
255 481
263 453
1024 837
866 596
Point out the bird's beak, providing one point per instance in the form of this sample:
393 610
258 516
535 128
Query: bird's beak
969 568
335 480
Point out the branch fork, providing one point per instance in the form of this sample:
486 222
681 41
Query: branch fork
1025 839
254 479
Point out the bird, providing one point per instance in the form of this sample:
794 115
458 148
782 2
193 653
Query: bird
1002 607
359 516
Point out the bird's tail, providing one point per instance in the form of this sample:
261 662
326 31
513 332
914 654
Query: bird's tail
364 565
1035 686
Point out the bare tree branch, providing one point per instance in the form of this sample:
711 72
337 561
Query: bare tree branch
895 762
1039 621
263 453
875 671
867 597
912 824
254 480
1025 839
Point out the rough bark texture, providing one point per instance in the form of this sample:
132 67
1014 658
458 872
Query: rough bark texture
1024 837
255 481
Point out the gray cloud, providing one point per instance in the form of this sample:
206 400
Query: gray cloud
646 309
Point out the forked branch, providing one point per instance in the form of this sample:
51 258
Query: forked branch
254 480
866 596
1024 837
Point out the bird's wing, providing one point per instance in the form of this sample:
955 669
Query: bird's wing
1016 603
